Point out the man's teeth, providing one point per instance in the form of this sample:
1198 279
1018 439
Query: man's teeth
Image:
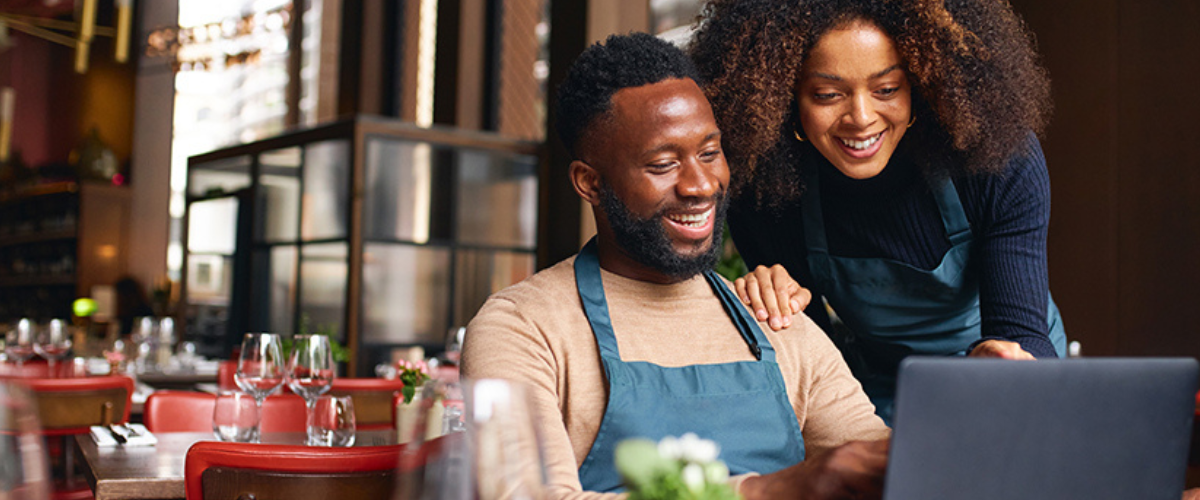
860 145
691 220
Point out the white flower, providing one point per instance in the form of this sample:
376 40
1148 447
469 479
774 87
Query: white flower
669 448
716 472
693 477
696 450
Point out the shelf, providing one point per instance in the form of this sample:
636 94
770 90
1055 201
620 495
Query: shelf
37 237
17 281
36 190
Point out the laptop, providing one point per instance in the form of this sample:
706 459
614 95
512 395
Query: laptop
1091 428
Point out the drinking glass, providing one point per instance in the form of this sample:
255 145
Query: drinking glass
500 454
24 470
236 418
508 456
52 342
331 421
18 342
261 367
454 343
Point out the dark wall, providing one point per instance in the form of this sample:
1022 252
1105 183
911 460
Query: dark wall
57 107
1125 229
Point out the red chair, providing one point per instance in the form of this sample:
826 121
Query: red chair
215 470
69 406
372 400
181 411
72 405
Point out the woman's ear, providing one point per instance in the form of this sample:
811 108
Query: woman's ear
586 181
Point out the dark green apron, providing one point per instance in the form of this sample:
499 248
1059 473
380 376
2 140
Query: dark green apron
893 309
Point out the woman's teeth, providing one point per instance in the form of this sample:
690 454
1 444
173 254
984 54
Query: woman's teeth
691 220
860 145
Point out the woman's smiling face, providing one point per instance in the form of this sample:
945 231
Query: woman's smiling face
854 98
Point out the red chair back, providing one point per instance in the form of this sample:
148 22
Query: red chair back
181 411
72 405
372 400
215 470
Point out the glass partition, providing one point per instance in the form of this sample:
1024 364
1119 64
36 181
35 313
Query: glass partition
384 234
325 206
211 244
279 194
219 177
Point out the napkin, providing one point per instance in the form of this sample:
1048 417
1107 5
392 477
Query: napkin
135 435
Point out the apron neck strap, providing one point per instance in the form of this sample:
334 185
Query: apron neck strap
591 292
595 306
746 325
954 218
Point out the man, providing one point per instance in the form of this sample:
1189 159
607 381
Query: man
634 337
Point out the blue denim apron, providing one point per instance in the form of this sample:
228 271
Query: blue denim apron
893 309
742 406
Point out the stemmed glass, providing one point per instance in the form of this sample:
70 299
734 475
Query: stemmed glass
310 369
261 367
53 342
18 342
24 471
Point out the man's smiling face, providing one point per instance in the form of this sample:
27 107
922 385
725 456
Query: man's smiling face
662 178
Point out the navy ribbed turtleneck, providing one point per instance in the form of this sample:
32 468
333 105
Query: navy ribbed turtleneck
894 216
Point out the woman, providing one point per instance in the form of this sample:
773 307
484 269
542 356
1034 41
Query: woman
884 154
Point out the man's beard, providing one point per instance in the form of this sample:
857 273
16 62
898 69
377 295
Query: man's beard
647 242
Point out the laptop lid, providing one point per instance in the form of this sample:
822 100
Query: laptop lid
1092 428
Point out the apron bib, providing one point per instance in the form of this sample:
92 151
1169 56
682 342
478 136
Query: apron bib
742 406
893 309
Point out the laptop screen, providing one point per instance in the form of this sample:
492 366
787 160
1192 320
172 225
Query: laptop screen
1091 428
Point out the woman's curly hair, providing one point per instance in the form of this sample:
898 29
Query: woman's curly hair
978 87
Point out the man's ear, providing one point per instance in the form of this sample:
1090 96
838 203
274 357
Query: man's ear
586 180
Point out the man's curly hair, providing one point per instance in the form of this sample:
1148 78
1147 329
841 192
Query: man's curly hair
623 61
978 87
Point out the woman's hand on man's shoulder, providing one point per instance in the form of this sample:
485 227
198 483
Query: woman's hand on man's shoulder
772 295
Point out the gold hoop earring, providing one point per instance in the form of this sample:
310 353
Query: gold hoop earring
914 120
798 137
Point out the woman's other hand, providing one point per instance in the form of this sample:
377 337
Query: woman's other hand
773 295
1002 349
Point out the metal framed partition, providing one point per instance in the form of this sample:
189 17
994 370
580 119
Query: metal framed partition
383 233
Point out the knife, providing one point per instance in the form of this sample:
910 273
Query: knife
116 435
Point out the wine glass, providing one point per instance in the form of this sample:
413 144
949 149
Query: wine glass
310 368
18 342
144 342
24 471
261 367
53 342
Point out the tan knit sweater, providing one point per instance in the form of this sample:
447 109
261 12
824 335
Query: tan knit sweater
536 332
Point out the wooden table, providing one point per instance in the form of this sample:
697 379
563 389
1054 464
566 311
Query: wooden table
120 473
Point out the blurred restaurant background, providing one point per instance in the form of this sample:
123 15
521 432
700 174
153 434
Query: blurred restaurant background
375 169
